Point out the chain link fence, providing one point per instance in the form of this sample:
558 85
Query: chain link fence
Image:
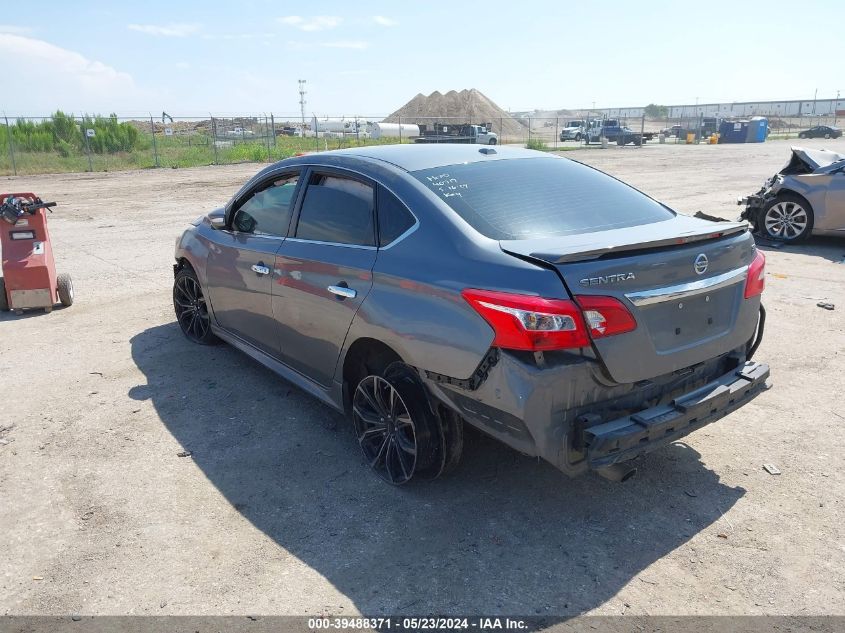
65 143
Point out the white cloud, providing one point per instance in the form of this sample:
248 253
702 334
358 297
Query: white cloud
65 79
384 21
166 30
353 44
314 23
239 36
14 29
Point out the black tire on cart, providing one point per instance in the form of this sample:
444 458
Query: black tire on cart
64 285
4 304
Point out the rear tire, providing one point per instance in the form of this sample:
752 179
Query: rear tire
4 303
787 218
827 135
398 432
64 285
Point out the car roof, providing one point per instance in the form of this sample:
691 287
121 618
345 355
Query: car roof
414 157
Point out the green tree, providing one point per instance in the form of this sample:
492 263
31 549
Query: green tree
655 111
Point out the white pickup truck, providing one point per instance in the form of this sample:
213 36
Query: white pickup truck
239 131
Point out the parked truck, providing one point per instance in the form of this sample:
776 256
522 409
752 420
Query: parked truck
615 132
573 131
440 133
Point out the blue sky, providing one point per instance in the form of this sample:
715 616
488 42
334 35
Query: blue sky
369 58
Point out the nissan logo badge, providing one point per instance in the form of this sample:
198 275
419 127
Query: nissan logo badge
700 264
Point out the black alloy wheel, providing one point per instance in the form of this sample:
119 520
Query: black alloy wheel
191 308
385 430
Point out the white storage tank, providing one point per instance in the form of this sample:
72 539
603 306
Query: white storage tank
394 130
334 125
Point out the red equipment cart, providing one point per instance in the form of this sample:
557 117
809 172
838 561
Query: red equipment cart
29 271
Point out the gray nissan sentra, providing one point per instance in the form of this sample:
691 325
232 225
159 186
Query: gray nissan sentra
419 288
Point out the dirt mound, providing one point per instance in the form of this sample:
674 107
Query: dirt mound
466 106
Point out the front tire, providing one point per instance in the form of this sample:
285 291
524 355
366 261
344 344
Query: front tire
787 218
64 287
192 309
802 135
827 135
492 141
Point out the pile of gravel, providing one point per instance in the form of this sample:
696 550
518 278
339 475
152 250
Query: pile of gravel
466 106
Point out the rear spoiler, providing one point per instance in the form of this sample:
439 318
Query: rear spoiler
570 248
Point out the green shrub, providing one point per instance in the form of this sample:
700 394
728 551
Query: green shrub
63 134
66 131
64 148
535 143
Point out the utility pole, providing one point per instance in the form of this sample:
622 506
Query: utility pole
835 108
302 103
11 144
815 94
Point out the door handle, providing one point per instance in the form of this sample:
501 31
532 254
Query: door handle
261 269
343 292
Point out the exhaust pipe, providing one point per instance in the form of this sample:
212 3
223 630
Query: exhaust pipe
618 472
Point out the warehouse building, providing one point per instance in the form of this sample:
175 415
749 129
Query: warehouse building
810 107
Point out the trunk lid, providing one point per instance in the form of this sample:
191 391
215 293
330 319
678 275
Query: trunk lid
683 281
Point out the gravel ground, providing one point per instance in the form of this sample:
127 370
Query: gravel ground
275 513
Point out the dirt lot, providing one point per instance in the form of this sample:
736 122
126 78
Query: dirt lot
275 513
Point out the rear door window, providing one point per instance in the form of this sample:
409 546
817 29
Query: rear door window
528 198
337 209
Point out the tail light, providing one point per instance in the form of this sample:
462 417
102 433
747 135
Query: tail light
606 316
523 322
529 323
756 280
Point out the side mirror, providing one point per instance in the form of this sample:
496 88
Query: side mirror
218 222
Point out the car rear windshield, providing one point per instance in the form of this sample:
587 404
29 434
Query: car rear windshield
531 198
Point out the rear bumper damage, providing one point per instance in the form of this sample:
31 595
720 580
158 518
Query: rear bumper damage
567 412
627 437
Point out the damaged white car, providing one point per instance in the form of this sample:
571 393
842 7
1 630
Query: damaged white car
806 197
